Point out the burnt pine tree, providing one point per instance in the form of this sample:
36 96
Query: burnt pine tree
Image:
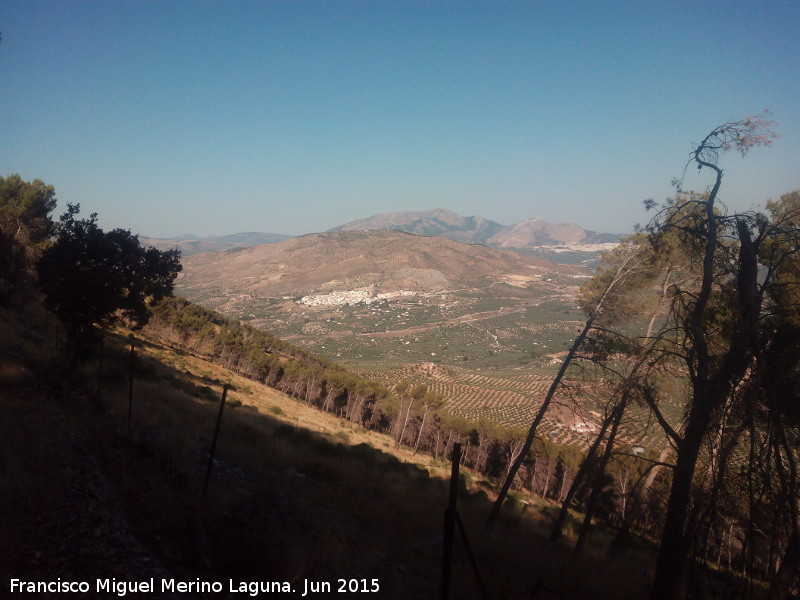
629 268
715 326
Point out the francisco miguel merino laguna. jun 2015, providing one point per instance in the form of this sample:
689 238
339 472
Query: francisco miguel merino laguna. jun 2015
251 588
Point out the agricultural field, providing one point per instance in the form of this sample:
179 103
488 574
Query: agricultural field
444 328
510 397
485 329
491 353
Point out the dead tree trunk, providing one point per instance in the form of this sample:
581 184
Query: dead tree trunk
591 505
558 528
623 270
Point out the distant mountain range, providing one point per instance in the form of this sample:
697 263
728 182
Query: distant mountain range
190 244
441 222
558 242
531 233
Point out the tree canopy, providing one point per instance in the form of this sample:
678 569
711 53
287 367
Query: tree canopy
25 209
25 228
728 336
93 278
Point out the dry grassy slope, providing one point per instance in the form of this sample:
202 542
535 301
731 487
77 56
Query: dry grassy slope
281 407
87 498
344 260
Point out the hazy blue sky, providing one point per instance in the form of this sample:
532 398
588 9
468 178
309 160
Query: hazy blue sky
291 117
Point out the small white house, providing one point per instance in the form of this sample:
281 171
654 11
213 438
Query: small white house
583 427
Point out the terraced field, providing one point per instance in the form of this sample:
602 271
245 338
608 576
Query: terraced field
511 398
511 402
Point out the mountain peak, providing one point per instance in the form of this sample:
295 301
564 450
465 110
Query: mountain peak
536 231
436 222
531 233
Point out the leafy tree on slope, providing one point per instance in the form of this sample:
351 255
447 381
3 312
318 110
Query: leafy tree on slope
25 228
93 278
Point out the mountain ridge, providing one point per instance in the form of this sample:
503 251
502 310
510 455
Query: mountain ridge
535 236
190 244
442 222
346 260
529 233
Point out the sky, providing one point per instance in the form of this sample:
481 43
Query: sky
211 118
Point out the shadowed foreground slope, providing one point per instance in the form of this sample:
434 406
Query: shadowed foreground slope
287 502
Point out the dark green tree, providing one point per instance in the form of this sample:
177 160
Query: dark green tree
25 209
25 228
92 279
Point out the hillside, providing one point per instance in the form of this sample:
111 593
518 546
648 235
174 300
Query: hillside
362 297
343 261
294 495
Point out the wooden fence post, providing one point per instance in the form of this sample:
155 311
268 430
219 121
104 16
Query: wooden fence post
450 523
214 441
130 386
